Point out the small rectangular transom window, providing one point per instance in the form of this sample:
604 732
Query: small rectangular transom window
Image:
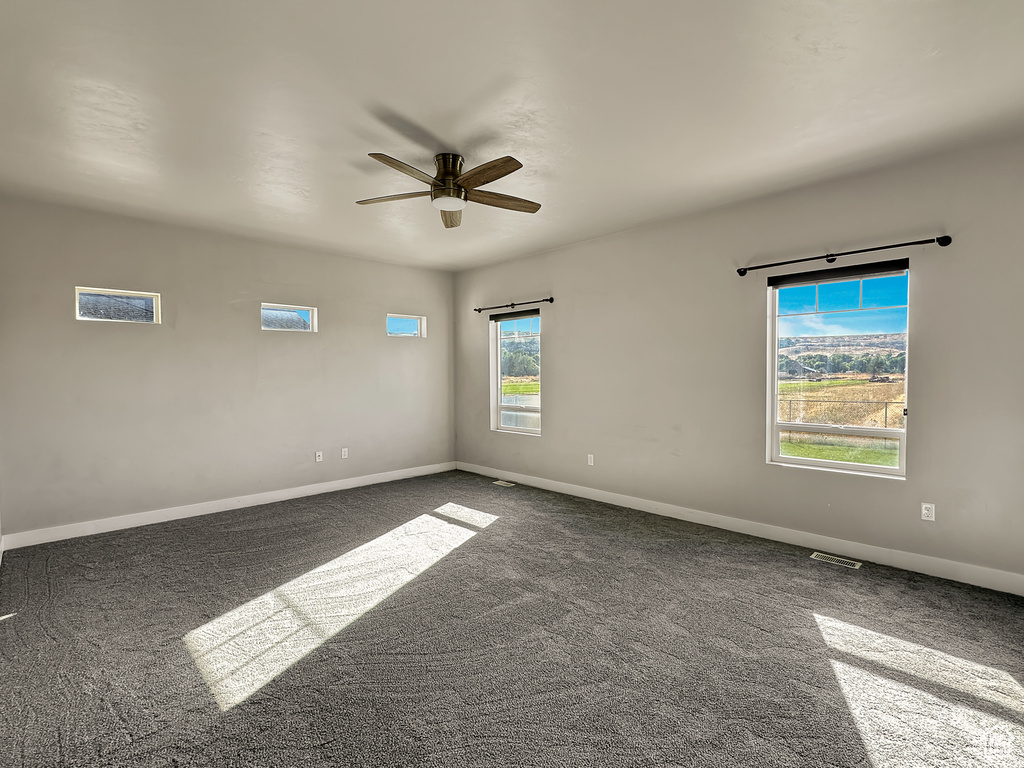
116 306
406 325
287 317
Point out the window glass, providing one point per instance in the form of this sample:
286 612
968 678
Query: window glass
796 299
842 365
851 449
517 395
888 291
520 420
285 317
520 362
837 296
117 306
406 325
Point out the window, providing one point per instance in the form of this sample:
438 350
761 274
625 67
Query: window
838 368
285 317
406 325
515 372
117 306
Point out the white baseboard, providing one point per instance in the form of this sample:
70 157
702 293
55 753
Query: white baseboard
44 535
1004 581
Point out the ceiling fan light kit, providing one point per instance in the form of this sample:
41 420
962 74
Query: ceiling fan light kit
450 188
444 201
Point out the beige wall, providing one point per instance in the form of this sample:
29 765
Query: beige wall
654 357
105 419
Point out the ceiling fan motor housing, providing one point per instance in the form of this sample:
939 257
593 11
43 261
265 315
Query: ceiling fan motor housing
451 188
448 196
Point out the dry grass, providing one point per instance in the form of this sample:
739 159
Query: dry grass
849 402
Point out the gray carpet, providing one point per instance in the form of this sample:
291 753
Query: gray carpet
564 633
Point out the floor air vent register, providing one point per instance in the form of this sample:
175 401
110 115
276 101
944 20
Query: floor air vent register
846 563
504 483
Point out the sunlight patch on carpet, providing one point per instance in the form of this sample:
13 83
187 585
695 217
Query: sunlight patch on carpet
974 721
466 515
977 680
243 650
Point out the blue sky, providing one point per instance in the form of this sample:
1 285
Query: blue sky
403 326
874 305
522 325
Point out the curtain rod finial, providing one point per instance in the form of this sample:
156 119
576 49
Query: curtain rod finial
741 271
943 240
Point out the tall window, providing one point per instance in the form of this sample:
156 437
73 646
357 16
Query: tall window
838 379
515 372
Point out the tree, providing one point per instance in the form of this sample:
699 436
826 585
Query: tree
790 366
519 363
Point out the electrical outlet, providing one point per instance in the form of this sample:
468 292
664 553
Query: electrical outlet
344 453
319 455
590 459
928 512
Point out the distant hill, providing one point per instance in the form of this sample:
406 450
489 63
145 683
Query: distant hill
864 344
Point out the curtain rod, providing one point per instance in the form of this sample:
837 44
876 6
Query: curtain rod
942 240
515 304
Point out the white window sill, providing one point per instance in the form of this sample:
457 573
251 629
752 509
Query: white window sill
840 470
507 431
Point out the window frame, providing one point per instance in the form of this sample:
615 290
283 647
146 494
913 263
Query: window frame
80 289
313 320
494 351
421 326
773 448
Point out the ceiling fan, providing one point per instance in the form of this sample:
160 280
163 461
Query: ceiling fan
450 188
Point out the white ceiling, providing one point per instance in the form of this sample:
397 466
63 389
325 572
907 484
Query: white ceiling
256 116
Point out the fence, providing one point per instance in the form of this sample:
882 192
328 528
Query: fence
850 413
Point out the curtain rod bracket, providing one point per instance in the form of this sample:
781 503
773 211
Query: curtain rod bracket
942 241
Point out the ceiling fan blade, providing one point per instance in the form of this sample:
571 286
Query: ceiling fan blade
502 201
451 218
488 172
386 198
405 168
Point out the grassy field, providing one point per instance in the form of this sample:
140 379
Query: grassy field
879 457
856 402
520 387
793 387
